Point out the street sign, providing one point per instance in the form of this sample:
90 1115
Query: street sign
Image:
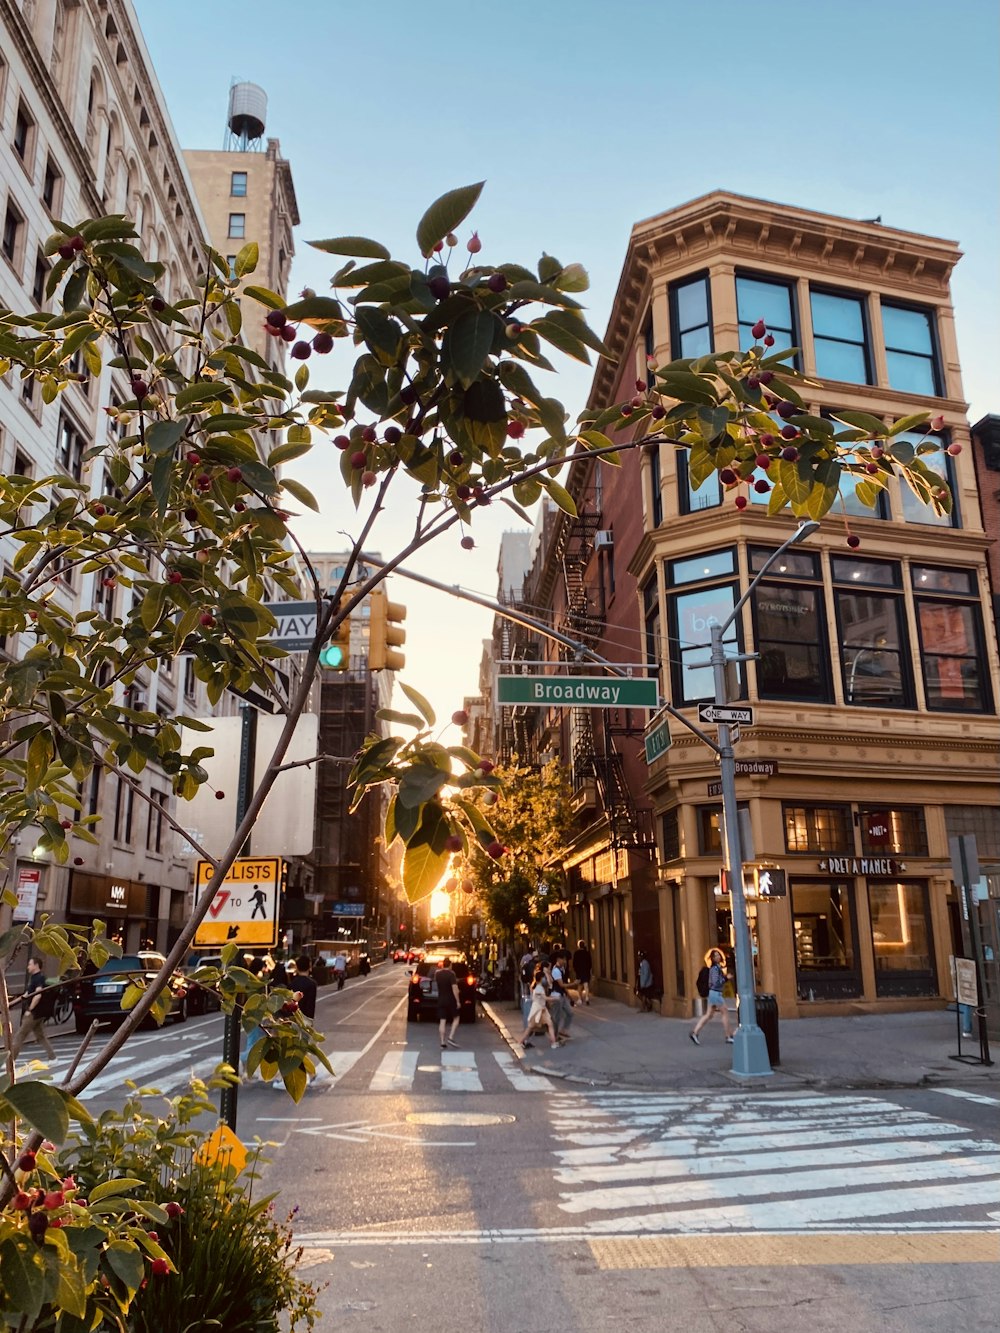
966 986
579 691
658 741
348 909
296 625
735 735
244 910
725 713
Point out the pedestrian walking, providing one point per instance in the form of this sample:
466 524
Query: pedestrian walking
37 1006
340 970
583 969
255 966
716 963
304 989
560 1004
448 1003
526 970
644 984
538 1014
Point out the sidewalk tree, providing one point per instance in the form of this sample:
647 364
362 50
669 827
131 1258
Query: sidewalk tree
186 505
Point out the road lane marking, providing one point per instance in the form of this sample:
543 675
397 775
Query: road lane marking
114 1076
396 1072
519 1080
812 1250
456 1073
976 1097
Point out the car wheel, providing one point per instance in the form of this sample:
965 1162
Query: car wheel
412 1016
182 1012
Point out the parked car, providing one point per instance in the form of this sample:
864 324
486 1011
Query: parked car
100 995
422 996
200 1000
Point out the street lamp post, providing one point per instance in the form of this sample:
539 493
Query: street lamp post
750 1058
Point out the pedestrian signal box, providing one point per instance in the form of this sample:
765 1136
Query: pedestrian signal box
385 633
769 883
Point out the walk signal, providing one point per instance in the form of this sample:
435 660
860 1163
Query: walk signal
385 633
336 655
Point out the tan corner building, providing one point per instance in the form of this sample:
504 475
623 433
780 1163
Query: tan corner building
875 686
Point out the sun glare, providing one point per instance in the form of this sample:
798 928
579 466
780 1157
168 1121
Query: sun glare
440 903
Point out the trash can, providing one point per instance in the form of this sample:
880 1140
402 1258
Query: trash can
767 1021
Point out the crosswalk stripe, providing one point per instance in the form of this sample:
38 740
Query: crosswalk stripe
519 1080
969 1096
395 1073
457 1075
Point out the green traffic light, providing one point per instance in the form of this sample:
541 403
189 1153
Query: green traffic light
332 656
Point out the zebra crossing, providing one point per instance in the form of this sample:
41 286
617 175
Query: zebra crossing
632 1164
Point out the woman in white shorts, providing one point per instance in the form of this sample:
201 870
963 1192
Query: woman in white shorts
539 1011
716 963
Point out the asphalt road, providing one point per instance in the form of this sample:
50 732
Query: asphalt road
448 1190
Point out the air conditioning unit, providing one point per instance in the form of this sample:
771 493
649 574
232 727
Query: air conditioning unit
604 540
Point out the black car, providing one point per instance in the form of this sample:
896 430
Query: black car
100 996
201 999
423 996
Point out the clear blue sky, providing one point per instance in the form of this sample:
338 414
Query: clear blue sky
585 116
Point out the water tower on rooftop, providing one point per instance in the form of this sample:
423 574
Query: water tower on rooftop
247 117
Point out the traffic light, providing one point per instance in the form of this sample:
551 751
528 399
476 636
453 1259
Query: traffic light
385 633
336 655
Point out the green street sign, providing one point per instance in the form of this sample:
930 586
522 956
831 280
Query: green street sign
578 691
658 741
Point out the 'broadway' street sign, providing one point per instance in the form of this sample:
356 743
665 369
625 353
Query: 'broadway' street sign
578 691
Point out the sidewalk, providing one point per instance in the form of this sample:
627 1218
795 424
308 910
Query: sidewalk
613 1046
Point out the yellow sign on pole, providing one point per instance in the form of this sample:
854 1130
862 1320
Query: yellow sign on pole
222 1146
244 910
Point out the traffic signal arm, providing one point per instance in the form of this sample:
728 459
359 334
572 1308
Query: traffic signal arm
385 633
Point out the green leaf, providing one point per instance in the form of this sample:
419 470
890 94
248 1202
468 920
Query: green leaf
381 334
151 607
560 495
466 345
247 258
560 338
23 1281
864 421
258 476
825 489
43 1106
420 782
200 392
316 311
301 493
445 214
163 472
909 423
796 480
74 290
163 436
423 870
576 327
417 699
120 1185
126 1261
265 296
360 247
686 387
404 719
284 453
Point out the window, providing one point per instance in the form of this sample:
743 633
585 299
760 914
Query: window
22 140
898 832
901 938
649 348
656 486
824 926
696 493
124 808
771 300
189 678
692 615
13 229
839 337
818 828
22 464
850 501
873 654
231 261
238 184
910 350
690 318
952 651
38 281
710 828
94 791
51 186
157 824
982 821
670 825
790 629
938 460
237 225
651 625
70 447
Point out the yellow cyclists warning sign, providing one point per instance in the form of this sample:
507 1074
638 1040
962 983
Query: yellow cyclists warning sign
244 910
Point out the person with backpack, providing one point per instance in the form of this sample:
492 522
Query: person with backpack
37 1007
583 969
715 963
644 984
538 1014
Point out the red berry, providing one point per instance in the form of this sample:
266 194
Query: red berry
108 583
486 766
790 454
767 441
759 329
876 451
173 1209
342 441
408 395
192 457
753 381
370 434
160 1267
937 423
175 576
763 461
140 388
439 286
359 459
785 409
78 243
220 795
456 459
78 860
323 343
234 474
453 843
658 412
513 329
239 507
853 541
495 850
301 351
872 469
191 515
789 432
288 334
21 1201
98 510
954 449
761 486
463 492
26 1162
638 400
727 476
766 376
768 341
741 502
369 478
66 251
467 543
626 409
207 620
438 247
641 386
275 319
392 435
515 429
66 823
460 717
474 244
55 1199
496 282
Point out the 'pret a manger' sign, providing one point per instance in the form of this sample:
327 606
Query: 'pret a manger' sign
861 865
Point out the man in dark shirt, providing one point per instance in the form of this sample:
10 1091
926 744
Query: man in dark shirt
448 1004
583 968
36 1008
304 986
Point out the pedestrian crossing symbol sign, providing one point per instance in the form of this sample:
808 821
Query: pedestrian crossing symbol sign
244 910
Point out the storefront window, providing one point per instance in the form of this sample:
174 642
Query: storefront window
871 635
898 832
818 828
901 938
825 952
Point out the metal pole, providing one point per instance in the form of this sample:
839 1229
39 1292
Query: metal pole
968 893
229 1097
750 1058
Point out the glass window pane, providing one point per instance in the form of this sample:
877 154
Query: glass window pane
900 930
959 581
707 496
841 361
874 572
702 567
798 564
791 643
824 932
911 374
837 317
950 658
871 653
696 342
692 304
695 613
907 330
914 509
769 301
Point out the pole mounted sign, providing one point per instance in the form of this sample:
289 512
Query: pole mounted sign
725 713
578 691
244 910
658 741
296 625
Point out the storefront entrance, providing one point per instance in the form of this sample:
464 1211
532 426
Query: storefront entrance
824 921
901 938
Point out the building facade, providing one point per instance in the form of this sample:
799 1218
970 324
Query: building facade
874 687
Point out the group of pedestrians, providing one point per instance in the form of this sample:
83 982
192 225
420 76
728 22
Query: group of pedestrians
553 984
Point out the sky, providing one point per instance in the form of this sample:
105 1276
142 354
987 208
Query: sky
583 118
